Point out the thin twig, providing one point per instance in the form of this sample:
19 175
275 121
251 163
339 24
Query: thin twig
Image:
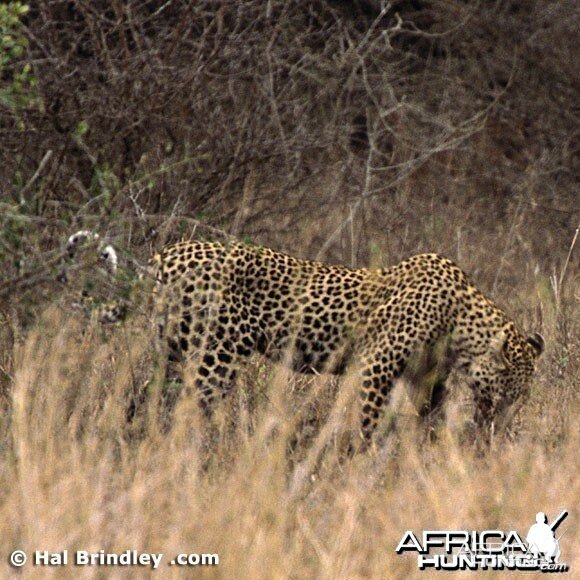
35 176
568 256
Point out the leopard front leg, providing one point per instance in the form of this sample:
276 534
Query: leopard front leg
394 341
378 374
428 392
426 377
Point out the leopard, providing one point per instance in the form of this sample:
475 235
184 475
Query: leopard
218 303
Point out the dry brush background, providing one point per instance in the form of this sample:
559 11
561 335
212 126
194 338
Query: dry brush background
357 132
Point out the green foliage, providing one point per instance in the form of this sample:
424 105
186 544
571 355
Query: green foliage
82 129
12 42
105 182
13 228
19 90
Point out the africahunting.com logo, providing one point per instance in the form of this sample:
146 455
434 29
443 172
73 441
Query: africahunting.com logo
488 549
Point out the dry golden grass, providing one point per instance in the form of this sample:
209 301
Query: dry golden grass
74 474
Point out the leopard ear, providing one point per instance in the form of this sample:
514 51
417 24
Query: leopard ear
537 342
499 347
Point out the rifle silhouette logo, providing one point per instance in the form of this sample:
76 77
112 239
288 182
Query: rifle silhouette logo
542 539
